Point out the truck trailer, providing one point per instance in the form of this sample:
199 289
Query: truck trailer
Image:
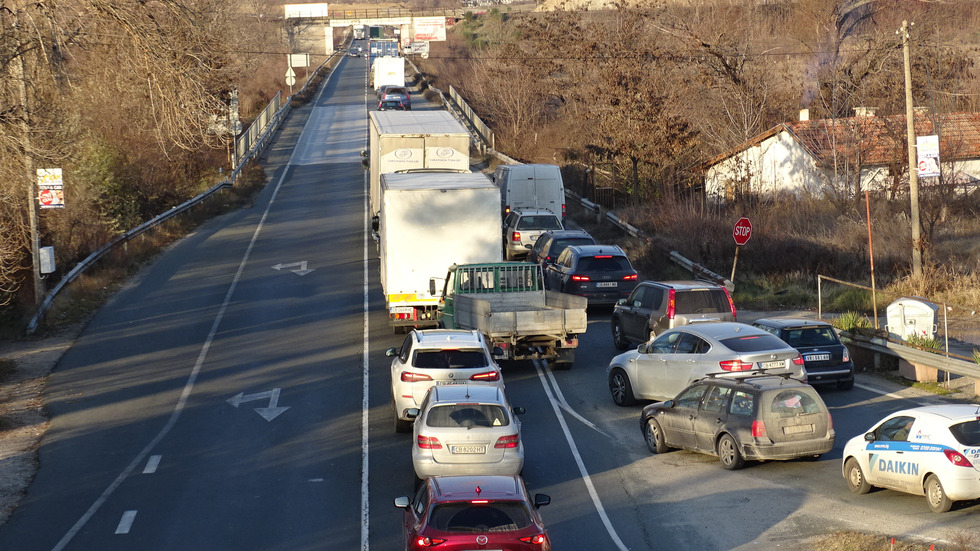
428 221
387 71
415 140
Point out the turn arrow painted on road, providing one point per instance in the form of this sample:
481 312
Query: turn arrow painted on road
267 413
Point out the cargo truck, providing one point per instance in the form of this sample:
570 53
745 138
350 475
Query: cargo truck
387 71
386 47
507 302
413 140
428 221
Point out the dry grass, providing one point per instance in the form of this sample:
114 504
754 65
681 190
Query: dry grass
855 541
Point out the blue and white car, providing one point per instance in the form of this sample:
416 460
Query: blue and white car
932 451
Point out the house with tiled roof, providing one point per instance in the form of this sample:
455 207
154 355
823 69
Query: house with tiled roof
842 157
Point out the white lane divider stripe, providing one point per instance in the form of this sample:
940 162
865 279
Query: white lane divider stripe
564 405
126 522
581 464
152 464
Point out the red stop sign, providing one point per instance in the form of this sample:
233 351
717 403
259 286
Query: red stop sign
742 231
46 197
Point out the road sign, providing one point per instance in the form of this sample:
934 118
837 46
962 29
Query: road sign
742 231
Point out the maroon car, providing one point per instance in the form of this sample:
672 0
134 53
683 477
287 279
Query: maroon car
455 513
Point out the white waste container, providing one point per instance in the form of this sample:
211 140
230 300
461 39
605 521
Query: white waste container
911 316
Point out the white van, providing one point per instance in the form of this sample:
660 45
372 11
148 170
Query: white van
531 186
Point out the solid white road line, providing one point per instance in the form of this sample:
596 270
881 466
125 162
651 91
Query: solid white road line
192 378
365 402
126 522
578 461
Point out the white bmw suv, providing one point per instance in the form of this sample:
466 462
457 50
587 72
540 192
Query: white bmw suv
432 357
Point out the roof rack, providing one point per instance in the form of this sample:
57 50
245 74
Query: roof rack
751 374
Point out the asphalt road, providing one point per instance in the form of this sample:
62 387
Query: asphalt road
235 396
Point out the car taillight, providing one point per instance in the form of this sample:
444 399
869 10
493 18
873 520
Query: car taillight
563 212
515 236
731 304
671 303
830 422
537 539
429 443
580 278
425 541
487 376
629 278
507 442
957 458
758 429
412 377
798 360
846 357
735 365
506 210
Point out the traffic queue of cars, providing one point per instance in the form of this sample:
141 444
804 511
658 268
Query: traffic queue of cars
467 452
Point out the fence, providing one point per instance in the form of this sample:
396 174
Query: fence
252 142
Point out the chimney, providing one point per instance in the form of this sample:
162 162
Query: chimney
864 111
804 114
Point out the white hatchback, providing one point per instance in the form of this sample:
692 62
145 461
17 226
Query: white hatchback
436 357
932 451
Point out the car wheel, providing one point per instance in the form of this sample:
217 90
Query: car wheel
619 337
654 435
731 458
845 385
622 391
856 482
938 501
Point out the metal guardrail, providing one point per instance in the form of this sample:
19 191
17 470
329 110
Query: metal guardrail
949 362
269 126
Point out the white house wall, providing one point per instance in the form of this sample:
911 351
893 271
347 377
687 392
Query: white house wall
778 163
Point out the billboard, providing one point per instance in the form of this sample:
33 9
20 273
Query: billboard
306 10
928 149
428 29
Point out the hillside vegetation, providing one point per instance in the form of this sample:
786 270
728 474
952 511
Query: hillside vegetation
632 102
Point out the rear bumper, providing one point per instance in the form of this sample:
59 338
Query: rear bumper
789 450
426 466
842 373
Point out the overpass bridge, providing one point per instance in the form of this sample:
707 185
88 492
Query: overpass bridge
383 16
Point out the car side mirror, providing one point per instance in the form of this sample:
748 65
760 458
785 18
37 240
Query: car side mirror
642 348
869 437
621 301
412 413
391 352
518 410
540 500
402 502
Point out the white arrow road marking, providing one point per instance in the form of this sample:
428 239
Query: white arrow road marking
267 413
302 271
126 522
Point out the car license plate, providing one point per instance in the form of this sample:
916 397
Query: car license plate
816 357
606 284
401 309
452 382
798 429
772 365
468 449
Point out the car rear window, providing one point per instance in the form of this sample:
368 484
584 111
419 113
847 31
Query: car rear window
604 264
467 416
538 223
966 433
701 301
753 343
562 244
498 516
790 403
449 359
810 336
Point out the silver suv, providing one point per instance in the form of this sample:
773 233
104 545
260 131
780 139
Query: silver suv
522 227
655 306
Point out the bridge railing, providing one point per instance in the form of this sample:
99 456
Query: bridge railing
382 13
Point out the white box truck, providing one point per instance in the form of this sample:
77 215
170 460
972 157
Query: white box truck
414 140
387 70
531 186
428 222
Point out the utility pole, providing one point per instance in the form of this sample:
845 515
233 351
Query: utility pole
913 168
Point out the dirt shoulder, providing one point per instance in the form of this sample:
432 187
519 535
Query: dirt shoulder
26 364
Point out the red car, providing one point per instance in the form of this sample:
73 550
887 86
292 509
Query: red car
455 513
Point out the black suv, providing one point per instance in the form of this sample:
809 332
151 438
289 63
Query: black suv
550 244
601 273
825 358
756 417
655 306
